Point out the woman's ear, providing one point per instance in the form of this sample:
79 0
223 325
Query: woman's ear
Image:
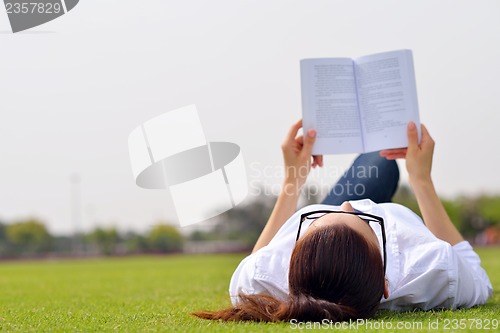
386 289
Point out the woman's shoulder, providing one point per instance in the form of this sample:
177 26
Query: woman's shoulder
386 209
262 272
397 208
401 214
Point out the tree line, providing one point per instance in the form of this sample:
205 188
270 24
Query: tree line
30 238
477 218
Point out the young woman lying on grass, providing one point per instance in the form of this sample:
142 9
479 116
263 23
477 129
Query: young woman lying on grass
353 254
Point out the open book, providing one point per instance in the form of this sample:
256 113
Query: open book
359 105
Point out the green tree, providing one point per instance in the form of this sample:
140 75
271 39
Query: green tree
165 238
199 235
3 239
404 196
454 210
135 243
472 221
489 208
28 237
106 240
245 222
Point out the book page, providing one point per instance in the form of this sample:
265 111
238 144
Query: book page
387 98
329 105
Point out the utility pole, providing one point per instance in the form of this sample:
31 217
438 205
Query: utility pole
76 213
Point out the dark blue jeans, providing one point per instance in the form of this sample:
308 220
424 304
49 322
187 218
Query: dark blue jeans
369 177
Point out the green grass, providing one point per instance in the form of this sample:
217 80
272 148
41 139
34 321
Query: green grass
149 294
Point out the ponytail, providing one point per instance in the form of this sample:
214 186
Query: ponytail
307 308
257 307
266 308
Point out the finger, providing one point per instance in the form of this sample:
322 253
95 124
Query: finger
426 137
317 160
309 139
425 132
412 136
298 144
396 155
383 153
292 133
392 151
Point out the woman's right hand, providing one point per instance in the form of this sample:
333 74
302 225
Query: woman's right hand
297 155
418 156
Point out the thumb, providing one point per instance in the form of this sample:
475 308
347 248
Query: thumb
412 135
309 139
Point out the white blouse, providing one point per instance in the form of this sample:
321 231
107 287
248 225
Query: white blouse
423 271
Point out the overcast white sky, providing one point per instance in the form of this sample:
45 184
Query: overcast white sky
73 89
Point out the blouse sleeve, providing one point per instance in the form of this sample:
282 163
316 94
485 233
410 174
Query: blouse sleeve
242 281
259 273
474 286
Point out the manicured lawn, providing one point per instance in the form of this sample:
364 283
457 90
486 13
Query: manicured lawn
149 294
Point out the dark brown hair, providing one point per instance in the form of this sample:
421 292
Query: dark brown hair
335 274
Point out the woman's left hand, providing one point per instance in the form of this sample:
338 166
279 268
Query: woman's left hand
297 155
